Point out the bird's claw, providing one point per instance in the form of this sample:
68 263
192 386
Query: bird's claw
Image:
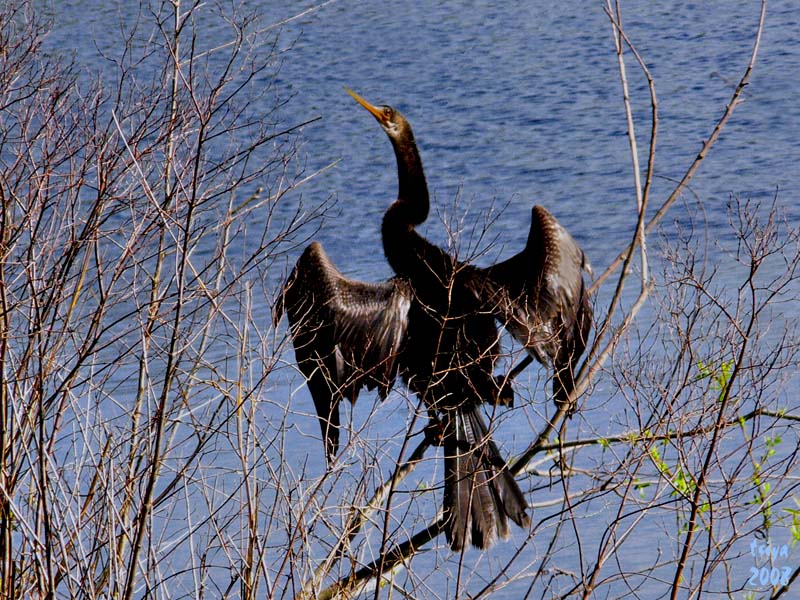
434 432
567 406
505 393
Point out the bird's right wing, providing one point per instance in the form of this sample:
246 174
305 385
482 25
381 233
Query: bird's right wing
539 294
540 297
346 334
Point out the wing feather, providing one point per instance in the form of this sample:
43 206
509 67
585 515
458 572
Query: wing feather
347 334
539 296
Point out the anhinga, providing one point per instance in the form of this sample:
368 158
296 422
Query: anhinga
434 324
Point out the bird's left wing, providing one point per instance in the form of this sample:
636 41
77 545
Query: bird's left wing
346 334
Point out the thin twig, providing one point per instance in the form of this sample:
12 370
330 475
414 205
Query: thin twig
707 144
360 515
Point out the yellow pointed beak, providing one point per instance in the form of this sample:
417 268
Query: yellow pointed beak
374 110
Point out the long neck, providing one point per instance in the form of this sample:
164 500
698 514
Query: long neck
401 243
412 188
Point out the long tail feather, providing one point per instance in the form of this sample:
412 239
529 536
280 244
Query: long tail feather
480 493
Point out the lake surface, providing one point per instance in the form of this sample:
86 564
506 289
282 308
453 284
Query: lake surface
515 107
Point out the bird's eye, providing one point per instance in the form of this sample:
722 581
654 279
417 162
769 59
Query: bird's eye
388 112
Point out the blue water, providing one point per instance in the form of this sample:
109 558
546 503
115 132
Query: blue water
511 107
525 107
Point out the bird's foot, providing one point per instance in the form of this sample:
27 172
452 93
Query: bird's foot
567 407
434 431
505 393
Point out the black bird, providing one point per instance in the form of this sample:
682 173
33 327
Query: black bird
451 348
434 324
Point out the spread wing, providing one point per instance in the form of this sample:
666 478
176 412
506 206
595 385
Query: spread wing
540 297
346 334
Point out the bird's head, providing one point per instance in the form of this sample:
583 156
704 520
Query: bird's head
393 123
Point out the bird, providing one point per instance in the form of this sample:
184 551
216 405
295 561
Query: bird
435 325
451 349
539 295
